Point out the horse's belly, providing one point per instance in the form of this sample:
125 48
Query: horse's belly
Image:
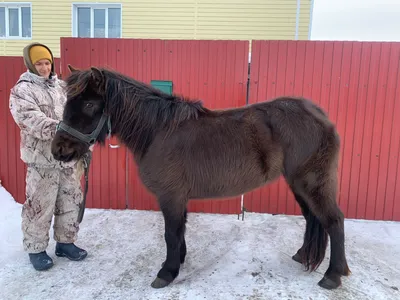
210 191
229 180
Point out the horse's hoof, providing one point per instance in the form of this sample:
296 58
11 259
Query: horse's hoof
159 283
328 284
297 258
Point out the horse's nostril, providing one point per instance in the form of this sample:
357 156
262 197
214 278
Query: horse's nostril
58 151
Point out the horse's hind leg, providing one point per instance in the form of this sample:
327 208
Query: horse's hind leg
318 191
332 219
300 256
174 211
182 255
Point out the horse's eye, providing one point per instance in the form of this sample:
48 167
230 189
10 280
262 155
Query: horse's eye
89 105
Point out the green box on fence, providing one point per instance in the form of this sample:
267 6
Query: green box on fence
163 85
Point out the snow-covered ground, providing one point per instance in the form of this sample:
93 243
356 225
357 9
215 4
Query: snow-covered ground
227 259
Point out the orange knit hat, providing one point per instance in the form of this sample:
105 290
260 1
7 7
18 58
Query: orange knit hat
38 52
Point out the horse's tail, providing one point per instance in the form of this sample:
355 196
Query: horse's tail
315 243
316 237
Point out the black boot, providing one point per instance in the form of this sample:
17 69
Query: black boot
41 261
70 251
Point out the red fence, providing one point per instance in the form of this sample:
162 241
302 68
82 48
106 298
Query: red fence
356 83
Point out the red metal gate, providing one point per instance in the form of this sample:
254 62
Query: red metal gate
357 83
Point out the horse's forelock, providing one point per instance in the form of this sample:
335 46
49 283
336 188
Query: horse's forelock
77 83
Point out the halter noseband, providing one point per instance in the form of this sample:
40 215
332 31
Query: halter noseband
91 138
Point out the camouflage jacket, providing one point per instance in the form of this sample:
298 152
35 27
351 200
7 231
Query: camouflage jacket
37 104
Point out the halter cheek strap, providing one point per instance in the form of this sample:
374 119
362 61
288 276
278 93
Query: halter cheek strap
91 138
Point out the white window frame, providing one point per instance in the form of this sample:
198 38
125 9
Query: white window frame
93 6
19 5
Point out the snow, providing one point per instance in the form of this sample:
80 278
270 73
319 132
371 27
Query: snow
227 259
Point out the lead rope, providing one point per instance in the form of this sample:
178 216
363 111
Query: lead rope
87 157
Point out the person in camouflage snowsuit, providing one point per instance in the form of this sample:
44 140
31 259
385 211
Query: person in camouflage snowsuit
52 187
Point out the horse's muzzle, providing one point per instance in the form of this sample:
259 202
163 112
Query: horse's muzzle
64 149
62 153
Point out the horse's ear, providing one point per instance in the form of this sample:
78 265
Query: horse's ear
97 76
72 69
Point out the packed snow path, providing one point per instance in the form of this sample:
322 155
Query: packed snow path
227 259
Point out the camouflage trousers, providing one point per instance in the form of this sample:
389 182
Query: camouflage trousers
51 192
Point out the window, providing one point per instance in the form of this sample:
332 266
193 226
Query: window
15 20
97 20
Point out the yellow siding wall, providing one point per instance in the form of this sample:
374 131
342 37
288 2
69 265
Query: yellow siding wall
215 19
175 19
257 19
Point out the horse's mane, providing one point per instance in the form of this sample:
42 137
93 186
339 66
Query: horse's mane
138 109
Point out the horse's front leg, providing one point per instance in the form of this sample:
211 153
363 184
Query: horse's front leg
174 211
183 244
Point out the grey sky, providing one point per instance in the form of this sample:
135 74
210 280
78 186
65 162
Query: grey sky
359 20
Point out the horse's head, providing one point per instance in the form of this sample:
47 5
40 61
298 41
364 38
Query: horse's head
84 120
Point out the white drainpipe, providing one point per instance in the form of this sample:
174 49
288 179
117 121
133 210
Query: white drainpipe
296 34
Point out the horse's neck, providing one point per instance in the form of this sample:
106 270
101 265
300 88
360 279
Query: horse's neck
136 125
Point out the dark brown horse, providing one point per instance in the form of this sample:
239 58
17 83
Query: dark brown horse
184 151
